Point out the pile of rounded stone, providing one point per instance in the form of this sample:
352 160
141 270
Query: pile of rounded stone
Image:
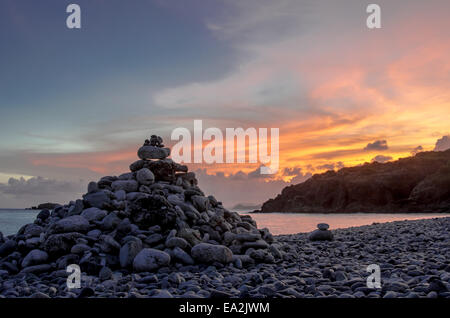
321 234
154 216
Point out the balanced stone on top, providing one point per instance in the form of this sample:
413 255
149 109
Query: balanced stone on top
323 226
153 149
156 141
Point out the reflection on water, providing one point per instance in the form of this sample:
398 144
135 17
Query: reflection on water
291 223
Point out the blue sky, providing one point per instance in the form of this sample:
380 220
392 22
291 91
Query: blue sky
99 72
76 104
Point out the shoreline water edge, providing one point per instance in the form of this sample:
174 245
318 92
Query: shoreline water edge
279 223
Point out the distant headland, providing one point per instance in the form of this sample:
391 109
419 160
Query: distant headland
246 206
42 206
414 184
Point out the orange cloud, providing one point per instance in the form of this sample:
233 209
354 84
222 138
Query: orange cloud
109 162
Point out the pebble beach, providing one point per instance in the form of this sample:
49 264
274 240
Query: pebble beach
414 257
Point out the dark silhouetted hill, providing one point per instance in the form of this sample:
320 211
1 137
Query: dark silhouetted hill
415 184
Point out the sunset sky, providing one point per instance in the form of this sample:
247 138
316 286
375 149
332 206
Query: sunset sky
76 104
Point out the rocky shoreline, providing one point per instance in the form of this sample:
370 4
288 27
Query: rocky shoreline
414 257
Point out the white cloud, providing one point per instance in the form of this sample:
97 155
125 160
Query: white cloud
381 159
442 144
20 193
416 150
245 188
37 186
377 145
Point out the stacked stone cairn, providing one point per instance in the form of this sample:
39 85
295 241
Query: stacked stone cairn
321 234
152 217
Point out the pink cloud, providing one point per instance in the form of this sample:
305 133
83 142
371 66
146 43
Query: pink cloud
108 162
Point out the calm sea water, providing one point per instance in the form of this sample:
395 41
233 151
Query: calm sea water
279 223
291 223
11 220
